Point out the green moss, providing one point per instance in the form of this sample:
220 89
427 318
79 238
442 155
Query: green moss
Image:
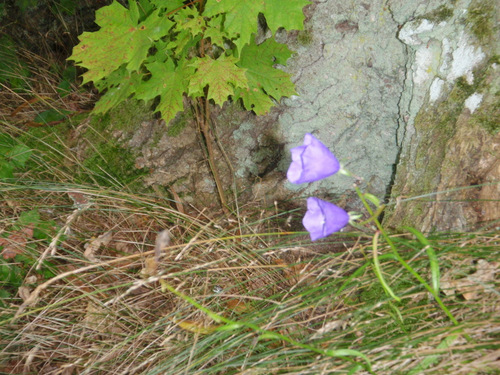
110 164
304 37
107 161
480 20
488 117
495 59
488 113
439 124
462 90
127 116
440 14
436 126
177 125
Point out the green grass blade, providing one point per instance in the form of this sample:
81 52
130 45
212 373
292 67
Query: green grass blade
433 260
378 270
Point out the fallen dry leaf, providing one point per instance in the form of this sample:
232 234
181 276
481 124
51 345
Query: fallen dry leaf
471 286
195 327
94 245
16 242
125 247
98 318
295 273
150 267
237 306
334 325
80 200
24 292
31 279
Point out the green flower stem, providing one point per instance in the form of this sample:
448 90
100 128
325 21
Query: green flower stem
403 262
433 260
359 271
378 269
265 334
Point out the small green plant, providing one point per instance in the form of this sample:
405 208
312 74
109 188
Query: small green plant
205 51
12 155
13 71
18 252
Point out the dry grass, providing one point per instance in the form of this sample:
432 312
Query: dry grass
105 309
93 322
39 90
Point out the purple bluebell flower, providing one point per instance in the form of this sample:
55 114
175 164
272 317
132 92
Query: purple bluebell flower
312 161
323 218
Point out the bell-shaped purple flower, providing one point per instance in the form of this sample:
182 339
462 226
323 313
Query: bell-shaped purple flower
323 218
312 161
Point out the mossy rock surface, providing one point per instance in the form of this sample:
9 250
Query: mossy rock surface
449 162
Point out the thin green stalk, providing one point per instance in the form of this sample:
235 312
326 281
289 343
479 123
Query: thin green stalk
433 260
359 271
403 262
378 269
265 334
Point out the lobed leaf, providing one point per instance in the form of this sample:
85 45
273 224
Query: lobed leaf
120 40
164 37
189 19
169 82
291 19
221 76
241 17
170 5
264 80
215 31
122 85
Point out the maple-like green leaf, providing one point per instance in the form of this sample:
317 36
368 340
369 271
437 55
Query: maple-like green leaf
264 80
183 41
121 85
190 19
120 40
286 14
163 52
169 82
222 77
163 36
214 31
241 17
133 10
145 8
170 5
254 99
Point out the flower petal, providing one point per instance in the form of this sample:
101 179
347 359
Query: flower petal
295 170
311 162
323 218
